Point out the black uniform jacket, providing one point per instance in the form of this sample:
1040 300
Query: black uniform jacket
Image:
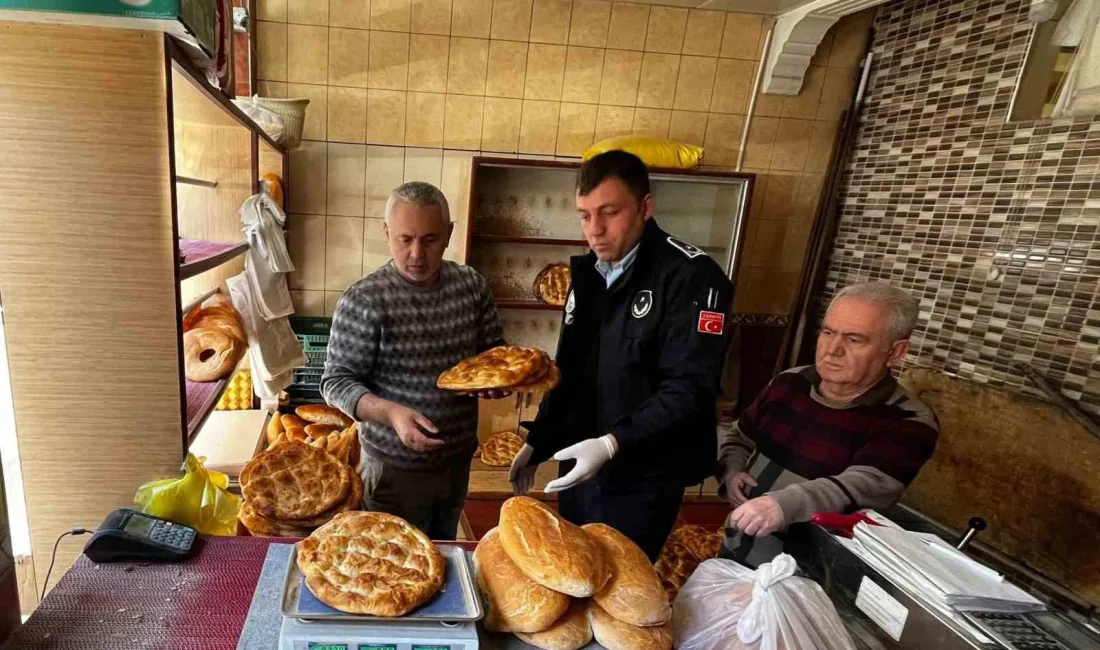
642 360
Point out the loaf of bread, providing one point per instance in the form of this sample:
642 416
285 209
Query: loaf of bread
513 602
550 550
633 594
291 421
613 634
570 632
324 414
274 428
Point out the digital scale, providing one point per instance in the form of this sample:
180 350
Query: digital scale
447 622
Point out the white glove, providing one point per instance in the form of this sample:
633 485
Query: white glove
590 455
522 475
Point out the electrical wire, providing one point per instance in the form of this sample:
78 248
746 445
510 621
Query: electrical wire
53 557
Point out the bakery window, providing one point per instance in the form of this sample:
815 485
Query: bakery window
1061 76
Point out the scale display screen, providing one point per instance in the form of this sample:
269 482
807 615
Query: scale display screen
377 646
328 646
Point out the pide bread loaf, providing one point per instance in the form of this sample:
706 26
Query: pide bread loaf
513 602
324 414
274 428
570 632
613 634
633 594
550 550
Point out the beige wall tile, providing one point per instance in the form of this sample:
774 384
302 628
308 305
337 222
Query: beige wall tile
666 30
308 303
347 114
805 104
331 299
761 142
723 140
688 127
305 241
343 252
810 188
732 86
613 121
576 127
307 54
275 89
759 189
657 85
307 12
779 198
652 122
316 123
821 146
741 36
621 70
271 51
273 10
793 251
347 57
385 172
308 178
545 71
538 131
389 60
424 119
695 83
768 105
507 69
500 130
455 186
550 21
824 48
703 36
428 62
431 17
792 144
850 38
764 245
346 179
836 92
463 122
583 74
628 26
423 165
589 23
385 117
467 66
376 252
511 20
471 18
390 15
349 13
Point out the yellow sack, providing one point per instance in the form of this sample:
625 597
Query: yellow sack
654 152
198 499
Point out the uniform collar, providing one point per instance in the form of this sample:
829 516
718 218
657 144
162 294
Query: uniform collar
612 270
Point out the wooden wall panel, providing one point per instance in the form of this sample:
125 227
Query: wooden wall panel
86 271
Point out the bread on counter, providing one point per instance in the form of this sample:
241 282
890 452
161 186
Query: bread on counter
323 414
570 632
634 593
513 602
614 634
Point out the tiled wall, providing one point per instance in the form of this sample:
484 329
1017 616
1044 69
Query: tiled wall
410 89
992 225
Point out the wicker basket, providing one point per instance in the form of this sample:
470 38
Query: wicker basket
293 114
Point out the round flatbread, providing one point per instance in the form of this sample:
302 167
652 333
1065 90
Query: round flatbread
504 366
613 634
552 284
371 563
499 449
294 481
260 526
548 382
352 502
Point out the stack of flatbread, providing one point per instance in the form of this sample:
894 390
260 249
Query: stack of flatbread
552 284
686 548
499 449
556 586
371 563
293 488
505 367
317 425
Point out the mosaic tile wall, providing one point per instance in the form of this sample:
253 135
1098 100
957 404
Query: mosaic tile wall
992 225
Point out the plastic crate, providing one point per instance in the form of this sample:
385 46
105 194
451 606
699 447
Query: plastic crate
312 333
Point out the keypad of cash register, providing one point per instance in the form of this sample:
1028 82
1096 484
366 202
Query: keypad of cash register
1015 631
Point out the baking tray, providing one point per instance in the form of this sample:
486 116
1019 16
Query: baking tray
457 601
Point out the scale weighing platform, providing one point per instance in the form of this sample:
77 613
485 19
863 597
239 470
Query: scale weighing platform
287 616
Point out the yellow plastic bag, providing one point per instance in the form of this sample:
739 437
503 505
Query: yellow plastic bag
198 499
654 152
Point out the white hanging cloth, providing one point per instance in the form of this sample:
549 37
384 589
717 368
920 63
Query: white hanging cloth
268 260
273 350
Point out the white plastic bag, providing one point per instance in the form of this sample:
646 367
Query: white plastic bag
726 606
265 118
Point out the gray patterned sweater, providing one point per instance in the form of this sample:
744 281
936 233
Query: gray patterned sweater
392 339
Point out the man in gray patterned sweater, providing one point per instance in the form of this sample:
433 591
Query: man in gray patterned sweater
393 332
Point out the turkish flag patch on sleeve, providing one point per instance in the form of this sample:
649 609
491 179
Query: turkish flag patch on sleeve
711 322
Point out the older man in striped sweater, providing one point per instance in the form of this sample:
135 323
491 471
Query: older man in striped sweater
393 332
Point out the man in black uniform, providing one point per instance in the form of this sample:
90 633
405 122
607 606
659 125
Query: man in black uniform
642 345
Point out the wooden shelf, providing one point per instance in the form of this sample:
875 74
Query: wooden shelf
526 304
538 241
202 397
200 256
